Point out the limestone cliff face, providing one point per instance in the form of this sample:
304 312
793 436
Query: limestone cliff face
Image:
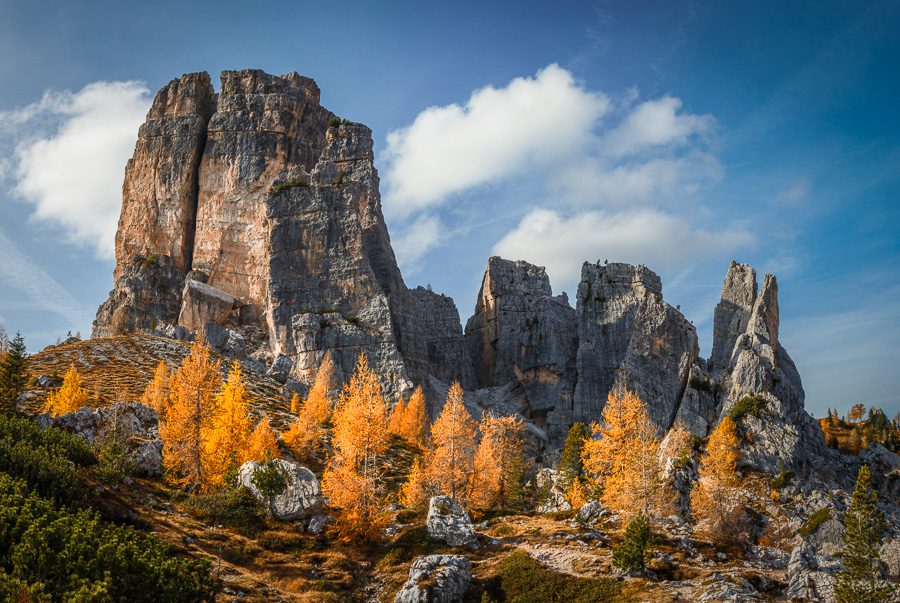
521 333
154 241
629 337
253 216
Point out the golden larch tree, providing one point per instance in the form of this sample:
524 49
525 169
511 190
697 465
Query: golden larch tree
498 462
318 403
156 394
415 491
453 446
188 421
353 478
228 438
263 442
69 397
306 434
717 498
395 423
414 423
622 457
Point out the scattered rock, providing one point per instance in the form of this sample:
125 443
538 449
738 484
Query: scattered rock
318 523
447 521
436 579
280 368
810 577
302 496
134 425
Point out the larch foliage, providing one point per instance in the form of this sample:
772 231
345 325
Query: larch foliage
862 580
415 491
453 446
228 438
577 495
717 498
318 403
306 434
622 458
69 397
188 421
156 394
395 423
498 463
414 424
263 442
353 479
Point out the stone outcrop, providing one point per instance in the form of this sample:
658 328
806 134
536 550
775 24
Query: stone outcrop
302 496
629 337
449 522
732 314
133 426
780 433
521 333
436 579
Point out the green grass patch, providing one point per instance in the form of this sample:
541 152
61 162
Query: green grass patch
782 480
815 520
292 183
235 508
521 579
748 405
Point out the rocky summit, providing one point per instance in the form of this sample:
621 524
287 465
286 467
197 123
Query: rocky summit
253 216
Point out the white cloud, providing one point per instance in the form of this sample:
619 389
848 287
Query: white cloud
71 163
592 181
659 240
497 133
42 290
655 123
416 240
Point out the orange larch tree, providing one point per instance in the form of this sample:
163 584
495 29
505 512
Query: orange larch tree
263 442
395 423
156 394
414 423
717 498
306 435
69 397
622 457
188 421
353 479
498 462
416 489
228 438
453 446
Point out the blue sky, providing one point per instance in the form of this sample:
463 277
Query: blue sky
677 134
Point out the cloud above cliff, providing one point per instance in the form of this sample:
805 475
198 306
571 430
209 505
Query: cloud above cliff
577 173
660 240
69 151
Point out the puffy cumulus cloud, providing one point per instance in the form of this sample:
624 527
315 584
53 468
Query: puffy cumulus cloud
655 123
645 236
71 151
531 122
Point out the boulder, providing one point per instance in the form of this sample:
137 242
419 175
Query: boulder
203 304
436 579
890 556
280 368
302 496
811 577
449 522
133 425
885 468
592 513
554 496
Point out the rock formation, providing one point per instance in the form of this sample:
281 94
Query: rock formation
253 216
302 495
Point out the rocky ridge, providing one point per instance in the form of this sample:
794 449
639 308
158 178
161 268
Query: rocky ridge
253 216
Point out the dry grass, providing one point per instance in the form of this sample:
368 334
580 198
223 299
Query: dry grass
118 369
